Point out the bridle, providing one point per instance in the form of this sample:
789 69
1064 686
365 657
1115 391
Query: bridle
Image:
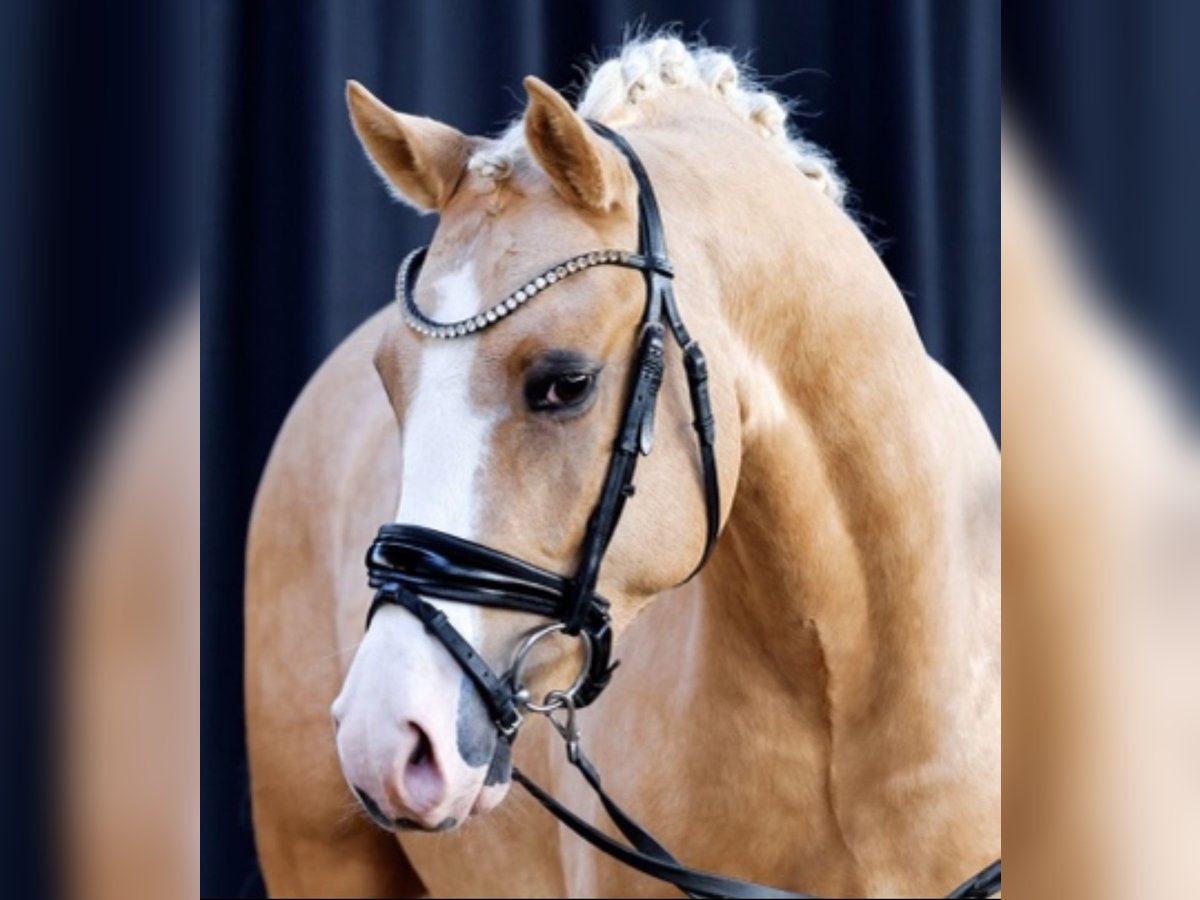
408 562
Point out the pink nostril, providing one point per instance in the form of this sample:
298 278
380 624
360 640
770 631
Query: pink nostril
417 785
422 753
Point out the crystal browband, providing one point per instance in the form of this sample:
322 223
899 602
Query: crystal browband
411 266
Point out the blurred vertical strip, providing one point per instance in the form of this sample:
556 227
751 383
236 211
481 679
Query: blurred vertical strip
1101 325
17 848
98 232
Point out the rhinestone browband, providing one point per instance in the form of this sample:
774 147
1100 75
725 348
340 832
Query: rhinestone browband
419 322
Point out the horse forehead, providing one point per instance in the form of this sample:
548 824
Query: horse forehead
511 229
447 427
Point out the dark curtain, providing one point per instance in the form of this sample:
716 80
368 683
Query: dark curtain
1107 95
98 235
302 242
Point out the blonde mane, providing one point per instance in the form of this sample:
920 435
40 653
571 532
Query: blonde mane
647 67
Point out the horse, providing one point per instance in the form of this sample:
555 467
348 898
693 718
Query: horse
818 708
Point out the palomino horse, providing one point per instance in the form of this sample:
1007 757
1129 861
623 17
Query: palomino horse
818 709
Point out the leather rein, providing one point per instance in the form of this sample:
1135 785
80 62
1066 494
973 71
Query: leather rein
407 563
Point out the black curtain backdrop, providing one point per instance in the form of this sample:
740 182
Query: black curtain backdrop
302 242
1107 95
98 236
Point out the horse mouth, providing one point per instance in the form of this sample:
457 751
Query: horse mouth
403 823
409 825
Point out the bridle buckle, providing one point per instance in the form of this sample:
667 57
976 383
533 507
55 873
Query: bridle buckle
510 725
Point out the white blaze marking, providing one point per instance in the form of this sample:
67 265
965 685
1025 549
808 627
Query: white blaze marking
446 439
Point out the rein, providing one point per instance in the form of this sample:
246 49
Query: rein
408 562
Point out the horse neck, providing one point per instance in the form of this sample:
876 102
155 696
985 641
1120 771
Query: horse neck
843 572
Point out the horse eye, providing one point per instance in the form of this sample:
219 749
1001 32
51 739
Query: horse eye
566 391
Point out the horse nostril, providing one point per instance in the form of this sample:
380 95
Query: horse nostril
420 785
423 751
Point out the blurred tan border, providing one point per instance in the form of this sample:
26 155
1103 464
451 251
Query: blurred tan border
1101 580
129 801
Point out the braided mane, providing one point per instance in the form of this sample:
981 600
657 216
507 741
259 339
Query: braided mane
648 67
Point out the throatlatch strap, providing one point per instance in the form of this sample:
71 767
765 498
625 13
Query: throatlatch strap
706 436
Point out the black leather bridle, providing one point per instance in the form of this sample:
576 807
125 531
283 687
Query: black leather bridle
407 563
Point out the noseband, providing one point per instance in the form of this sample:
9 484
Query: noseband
407 563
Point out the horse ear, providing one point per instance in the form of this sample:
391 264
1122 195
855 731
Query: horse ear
583 167
420 159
